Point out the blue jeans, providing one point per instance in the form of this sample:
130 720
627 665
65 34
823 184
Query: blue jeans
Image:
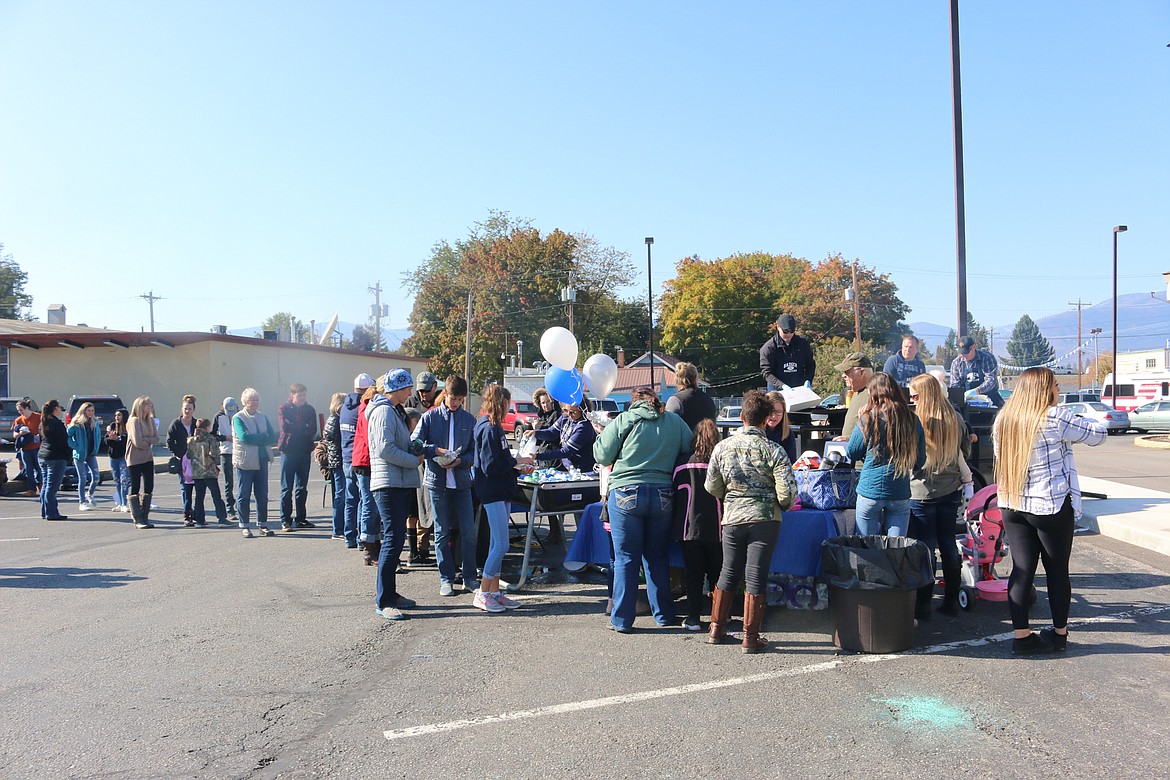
933 524
121 477
497 516
87 468
353 498
369 518
878 516
393 504
338 475
294 485
640 518
249 481
32 468
198 510
451 507
52 472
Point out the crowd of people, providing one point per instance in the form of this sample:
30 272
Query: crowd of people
408 464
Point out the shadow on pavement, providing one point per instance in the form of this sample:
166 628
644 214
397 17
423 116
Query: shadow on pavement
64 577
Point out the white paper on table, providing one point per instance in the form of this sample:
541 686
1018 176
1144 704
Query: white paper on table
800 398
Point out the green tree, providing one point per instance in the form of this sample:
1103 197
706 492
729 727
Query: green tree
362 338
514 275
15 303
1027 344
949 350
718 313
284 322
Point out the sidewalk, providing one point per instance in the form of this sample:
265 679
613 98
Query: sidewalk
1135 515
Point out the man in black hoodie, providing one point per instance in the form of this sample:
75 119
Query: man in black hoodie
347 421
786 360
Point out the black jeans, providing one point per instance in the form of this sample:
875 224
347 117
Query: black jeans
1048 538
141 475
933 524
702 560
747 552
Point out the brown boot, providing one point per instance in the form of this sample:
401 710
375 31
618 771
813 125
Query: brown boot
720 614
753 618
370 553
424 545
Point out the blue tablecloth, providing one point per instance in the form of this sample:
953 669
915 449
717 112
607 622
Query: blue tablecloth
798 551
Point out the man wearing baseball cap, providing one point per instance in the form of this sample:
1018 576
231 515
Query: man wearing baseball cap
856 369
420 519
786 360
347 422
976 371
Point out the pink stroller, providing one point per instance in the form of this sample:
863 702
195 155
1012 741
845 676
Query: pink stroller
982 548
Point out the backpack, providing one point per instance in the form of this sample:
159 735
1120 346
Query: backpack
321 456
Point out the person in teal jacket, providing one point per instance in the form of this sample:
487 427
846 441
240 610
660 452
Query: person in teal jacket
643 445
890 439
84 438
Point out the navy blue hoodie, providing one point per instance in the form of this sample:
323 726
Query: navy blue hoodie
347 418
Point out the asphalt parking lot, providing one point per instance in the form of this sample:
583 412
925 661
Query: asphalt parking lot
197 653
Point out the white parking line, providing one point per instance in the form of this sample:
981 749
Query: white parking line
592 704
24 539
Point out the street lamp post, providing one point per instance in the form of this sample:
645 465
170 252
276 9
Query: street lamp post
1096 356
650 307
1113 367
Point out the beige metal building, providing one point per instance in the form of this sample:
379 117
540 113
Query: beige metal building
57 361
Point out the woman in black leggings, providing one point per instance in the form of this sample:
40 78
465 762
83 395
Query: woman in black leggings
1040 500
753 478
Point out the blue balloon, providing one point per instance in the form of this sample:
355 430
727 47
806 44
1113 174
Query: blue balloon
564 386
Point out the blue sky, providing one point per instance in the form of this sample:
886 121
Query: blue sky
240 159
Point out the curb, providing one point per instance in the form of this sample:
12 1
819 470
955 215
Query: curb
1151 441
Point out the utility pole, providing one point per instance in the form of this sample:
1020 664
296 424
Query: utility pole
1080 305
378 311
856 309
467 344
151 298
650 309
569 296
991 339
960 200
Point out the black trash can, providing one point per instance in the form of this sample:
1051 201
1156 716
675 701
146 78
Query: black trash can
872 583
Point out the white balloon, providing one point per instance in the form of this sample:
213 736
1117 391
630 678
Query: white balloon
601 373
559 347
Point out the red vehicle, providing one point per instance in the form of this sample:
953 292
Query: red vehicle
520 417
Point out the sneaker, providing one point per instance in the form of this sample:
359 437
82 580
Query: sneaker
390 613
248 533
692 624
266 531
287 529
58 517
83 507
144 524
199 524
471 587
1030 645
337 536
446 589
305 524
225 521
487 602
618 629
405 603
506 602
189 524
153 505
1058 642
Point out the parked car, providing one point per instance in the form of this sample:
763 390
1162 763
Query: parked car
8 415
730 413
1154 416
104 407
1114 420
1080 397
830 402
609 407
520 417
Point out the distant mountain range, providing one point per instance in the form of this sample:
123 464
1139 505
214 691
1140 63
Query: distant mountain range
1143 322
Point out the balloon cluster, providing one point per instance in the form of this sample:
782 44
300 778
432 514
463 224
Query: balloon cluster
563 381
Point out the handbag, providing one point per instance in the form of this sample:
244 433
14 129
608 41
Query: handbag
174 465
827 488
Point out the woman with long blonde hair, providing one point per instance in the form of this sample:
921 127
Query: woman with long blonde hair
890 439
141 436
938 487
85 439
1040 499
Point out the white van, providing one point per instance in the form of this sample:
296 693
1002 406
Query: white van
1135 390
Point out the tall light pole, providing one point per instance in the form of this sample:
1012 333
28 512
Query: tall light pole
1113 368
650 307
960 207
1096 356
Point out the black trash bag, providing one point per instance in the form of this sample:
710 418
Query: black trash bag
876 562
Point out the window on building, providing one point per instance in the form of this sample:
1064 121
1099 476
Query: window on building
1151 363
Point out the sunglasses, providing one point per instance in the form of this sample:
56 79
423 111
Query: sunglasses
785 330
914 396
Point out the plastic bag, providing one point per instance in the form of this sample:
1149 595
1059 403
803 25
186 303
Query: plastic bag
876 562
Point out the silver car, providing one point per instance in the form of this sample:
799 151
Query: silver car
1113 420
1154 416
